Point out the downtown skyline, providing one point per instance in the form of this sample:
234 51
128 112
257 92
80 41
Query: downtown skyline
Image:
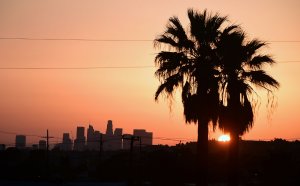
88 134
112 139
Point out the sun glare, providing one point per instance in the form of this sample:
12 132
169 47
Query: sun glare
224 138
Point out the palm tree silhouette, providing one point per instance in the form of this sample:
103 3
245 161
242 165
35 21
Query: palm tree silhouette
190 65
241 72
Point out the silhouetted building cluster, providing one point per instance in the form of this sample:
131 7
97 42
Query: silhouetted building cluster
94 140
109 141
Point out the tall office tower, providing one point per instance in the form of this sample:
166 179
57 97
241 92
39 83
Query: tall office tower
90 132
90 138
146 137
93 139
80 133
66 143
117 139
108 137
79 143
42 145
109 129
97 138
118 132
20 141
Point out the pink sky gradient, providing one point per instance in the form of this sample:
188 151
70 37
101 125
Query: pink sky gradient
32 101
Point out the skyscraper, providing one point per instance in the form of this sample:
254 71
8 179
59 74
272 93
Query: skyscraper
93 139
146 137
66 143
108 137
117 139
97 138
79 143
90 138
20 141
80 133
109 128
118 132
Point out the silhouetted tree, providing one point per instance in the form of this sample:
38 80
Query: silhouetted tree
241 71
190 64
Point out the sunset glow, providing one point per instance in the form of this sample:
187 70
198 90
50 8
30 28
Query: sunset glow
33 100
149 92
224 138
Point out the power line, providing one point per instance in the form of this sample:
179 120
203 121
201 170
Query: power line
110 40
288 62
14 133
110 139
75 39
284 41
98 67
75 68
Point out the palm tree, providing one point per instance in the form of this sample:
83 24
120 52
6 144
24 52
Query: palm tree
190 65
241 71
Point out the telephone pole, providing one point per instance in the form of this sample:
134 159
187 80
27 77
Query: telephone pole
47 152
132 138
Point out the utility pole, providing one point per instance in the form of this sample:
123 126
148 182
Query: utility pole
132 138
47 152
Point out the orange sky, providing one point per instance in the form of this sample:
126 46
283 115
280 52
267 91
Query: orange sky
33 100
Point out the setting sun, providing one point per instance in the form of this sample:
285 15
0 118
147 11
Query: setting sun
224 138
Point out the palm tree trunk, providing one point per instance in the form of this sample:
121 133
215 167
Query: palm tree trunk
202 152
233 160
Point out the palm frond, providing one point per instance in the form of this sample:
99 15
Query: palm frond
170 63
198 25
230 29
191 108
247 116
261 78
213 25
258 61
164 57
167 40
253 46
177 32
169 85
230 48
